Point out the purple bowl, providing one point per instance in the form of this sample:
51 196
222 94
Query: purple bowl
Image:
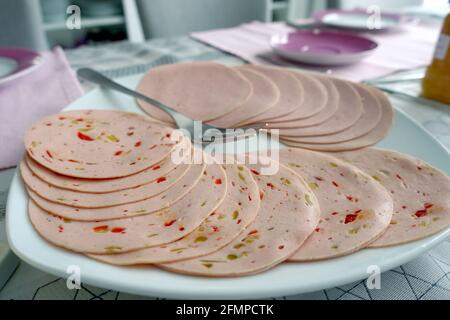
322 47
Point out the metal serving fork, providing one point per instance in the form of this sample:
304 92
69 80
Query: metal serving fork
207 133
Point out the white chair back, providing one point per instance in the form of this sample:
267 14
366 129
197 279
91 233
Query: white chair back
21 25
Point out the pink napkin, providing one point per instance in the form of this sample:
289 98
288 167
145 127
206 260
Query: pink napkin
408 48
48 89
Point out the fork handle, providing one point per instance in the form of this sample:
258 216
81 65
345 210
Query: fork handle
96 77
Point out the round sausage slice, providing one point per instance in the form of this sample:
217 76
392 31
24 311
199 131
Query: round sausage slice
289 213
236 212
355 209
368 121
104 185
150 205
420 192
315 99
349 111
265 95
98 144
291 93
127 234
199 90
372 137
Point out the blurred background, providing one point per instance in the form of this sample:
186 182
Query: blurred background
43 22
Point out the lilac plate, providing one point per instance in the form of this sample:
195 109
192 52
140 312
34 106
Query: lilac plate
15 63
322 47
361 19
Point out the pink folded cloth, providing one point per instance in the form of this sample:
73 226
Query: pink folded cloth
48 89
408 48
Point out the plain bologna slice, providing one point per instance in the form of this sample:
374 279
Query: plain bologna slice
289 213
151 205
291 93
369 139
98 143
199 90
237 211
355 209
156 171
122 235
315 98
264 96
420 192
326 113
369 120
349 111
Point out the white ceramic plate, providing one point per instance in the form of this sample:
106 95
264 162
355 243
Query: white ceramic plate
7 66
354 21
286 279
361 20
16 63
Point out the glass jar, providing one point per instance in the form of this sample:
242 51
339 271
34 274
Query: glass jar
436 84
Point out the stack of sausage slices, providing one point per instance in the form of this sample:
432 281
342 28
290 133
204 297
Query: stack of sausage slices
310 111
126 190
